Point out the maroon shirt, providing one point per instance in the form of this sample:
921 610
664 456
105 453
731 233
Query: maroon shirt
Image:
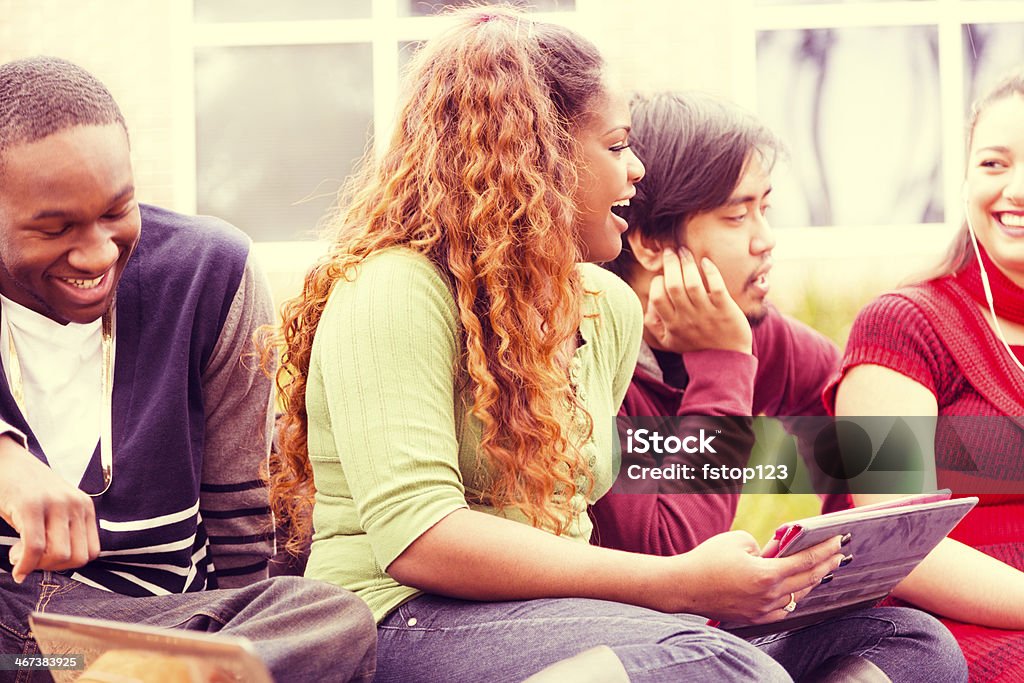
785 376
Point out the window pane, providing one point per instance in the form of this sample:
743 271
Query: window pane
858 109
990 50
419 8
406 49
275 10
277 131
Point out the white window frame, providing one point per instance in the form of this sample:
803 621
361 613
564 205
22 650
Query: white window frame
948 16
384 30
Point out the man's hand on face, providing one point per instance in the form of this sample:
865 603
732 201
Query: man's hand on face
55 521
683 314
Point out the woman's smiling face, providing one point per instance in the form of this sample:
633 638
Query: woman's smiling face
994 184
609 171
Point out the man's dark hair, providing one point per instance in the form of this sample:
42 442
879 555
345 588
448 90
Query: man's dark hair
694 148
40 96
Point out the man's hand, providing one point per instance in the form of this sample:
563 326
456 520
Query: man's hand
683 315
55 521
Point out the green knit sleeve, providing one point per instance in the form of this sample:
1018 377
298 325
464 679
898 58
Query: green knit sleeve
386 350
630 323
620 314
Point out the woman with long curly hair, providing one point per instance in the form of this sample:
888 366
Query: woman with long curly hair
451 372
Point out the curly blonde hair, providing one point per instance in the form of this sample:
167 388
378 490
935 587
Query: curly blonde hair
479 176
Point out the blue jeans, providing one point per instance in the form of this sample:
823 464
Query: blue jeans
435 640
907 644
304 630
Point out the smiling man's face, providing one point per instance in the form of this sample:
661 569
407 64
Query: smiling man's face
68 221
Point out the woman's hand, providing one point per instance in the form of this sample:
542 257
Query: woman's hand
725 578
683 315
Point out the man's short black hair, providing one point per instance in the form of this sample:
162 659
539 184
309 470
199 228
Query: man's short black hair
40 96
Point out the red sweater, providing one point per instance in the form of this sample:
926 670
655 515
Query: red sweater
935 335
790 365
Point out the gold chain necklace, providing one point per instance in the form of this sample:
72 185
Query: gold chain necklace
107 389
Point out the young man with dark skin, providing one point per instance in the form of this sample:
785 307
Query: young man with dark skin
132 428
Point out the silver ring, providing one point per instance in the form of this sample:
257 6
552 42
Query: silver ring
791 605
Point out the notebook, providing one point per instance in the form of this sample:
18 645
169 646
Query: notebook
888 540
128 650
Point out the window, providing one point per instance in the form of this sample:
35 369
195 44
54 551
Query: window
277 130
868 96
288 95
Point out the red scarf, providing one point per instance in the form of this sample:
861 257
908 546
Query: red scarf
1008 297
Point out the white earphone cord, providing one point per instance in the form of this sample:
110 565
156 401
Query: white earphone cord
988 291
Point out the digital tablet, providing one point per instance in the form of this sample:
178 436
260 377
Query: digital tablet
145 653
887 540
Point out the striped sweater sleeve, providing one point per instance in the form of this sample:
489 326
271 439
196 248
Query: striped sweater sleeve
233 499
14 433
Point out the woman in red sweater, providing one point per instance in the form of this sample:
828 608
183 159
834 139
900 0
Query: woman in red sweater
943 348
